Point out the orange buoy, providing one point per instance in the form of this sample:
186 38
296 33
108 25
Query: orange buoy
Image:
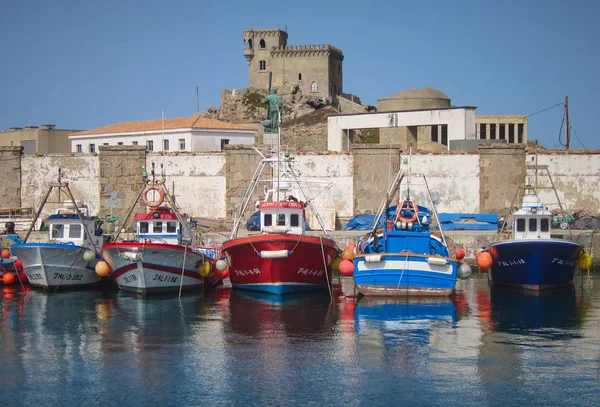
5 253
102 268
225 273
346 267
18 264
8 278
484 260
460 253
351 247
347 255
335 263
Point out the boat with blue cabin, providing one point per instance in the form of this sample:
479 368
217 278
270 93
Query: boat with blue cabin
532 259
407 257
70 256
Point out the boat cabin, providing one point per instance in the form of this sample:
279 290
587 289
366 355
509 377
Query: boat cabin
64 226
282 217
532 221
158 226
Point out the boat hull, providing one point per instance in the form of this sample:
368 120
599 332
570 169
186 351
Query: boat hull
534 264
156 267
280 263
404 275
51 265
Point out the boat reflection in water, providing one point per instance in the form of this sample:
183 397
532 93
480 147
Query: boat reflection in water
263 314
549 313
404 321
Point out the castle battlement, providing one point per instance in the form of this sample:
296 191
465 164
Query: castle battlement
301 50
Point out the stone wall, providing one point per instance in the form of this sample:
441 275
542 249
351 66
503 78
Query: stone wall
79 171
375 166
501 169
121 180
10 187
240 165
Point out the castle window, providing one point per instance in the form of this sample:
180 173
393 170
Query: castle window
262 65
314 87
262 44
299 76
248 44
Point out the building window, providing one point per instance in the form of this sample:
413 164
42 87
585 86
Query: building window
445 134
171 227
262 65
104 144
502 132
165 145
544 225
79 148
262 44
134 143
520 133
281 219
92 148
143 227
182 144
299 76
482 131
157 227
521 225
314 87
120 143
493 131
150 145
74 231
58 231
224 142
435 134
511 133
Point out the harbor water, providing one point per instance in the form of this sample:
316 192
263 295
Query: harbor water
482 347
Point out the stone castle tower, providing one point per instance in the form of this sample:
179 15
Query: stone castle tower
316 69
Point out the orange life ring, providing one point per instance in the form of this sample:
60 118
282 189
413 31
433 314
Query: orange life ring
407 205
155 203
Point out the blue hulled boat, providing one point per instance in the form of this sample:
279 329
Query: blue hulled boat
406 257
532 259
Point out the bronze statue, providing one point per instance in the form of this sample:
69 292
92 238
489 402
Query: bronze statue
275 102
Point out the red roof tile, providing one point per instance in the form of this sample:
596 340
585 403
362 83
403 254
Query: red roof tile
193 122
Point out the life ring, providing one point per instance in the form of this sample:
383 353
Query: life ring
407 205
156 203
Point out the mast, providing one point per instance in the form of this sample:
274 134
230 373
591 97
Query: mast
568 128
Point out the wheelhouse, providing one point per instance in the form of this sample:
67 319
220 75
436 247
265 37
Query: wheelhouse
532 221
158 227
282 216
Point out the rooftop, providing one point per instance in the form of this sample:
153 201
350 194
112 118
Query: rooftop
193 122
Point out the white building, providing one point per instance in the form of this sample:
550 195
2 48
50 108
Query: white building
193 133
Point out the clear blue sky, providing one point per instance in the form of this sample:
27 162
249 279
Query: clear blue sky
86 64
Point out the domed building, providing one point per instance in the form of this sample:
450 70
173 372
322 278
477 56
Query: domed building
433 138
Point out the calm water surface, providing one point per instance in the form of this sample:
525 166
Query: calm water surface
484 347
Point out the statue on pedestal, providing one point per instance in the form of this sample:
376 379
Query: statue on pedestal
275 107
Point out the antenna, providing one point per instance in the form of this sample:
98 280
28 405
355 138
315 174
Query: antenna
568 126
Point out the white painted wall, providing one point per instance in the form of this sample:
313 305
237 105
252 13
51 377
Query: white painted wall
460 121
335 191
195 140
197 181
81 172
576 178
453 181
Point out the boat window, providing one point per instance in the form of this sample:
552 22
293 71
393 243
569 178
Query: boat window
268 220
143 227
532 225
295 220
281 219
158 227
544 225
75 231
58 231
171 227
521 225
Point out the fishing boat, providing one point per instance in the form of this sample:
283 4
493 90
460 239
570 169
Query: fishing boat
69 258
164 256
281 258
406 258
532 259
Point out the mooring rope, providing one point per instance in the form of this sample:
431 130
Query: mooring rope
182 270
325 266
